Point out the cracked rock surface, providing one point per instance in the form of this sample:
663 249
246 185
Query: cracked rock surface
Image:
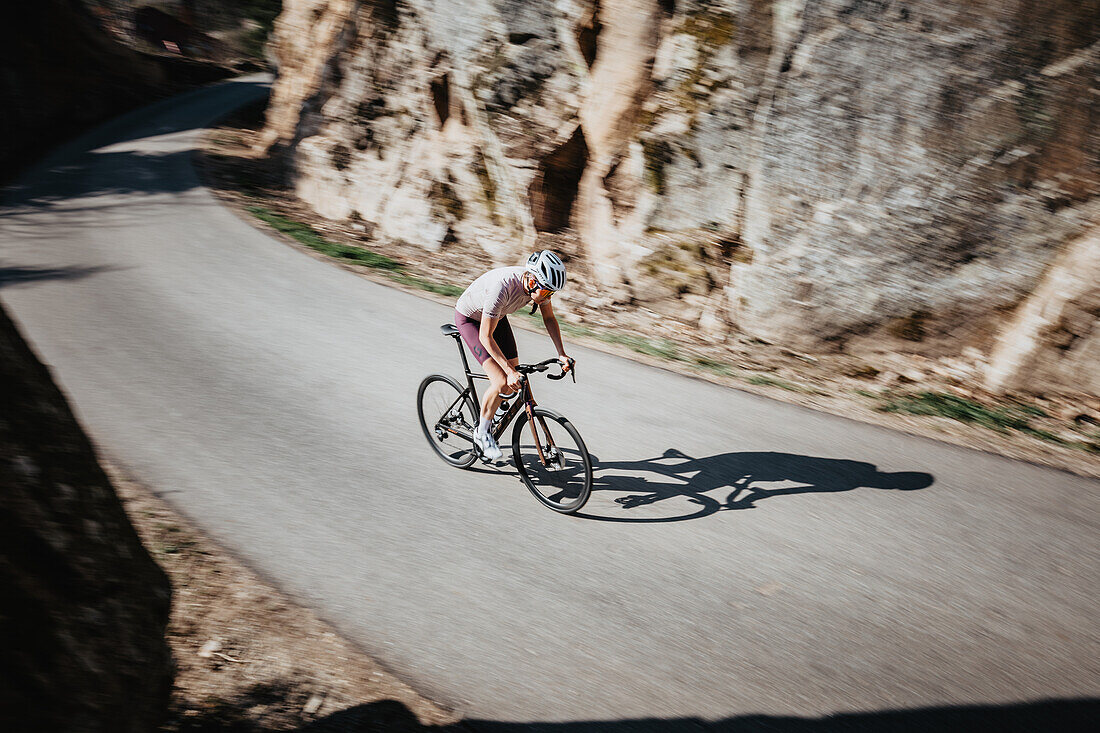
864 175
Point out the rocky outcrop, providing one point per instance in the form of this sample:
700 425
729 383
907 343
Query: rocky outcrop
1052 339
857 174
83 608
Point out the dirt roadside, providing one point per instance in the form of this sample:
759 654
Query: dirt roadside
248 658
940 399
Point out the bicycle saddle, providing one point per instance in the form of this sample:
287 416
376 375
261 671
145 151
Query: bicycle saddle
449 329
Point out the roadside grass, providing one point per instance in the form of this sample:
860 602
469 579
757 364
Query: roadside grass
940 404
667 349
763 380
661 348
1002 419
713 365
311 238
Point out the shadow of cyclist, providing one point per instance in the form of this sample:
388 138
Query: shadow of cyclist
675 474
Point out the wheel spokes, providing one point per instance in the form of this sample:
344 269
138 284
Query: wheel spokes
557 473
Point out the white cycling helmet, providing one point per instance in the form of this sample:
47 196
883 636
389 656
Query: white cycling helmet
547 268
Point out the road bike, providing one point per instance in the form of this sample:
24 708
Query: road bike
547 450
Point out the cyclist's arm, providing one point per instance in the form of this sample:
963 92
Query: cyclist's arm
485 335
549 320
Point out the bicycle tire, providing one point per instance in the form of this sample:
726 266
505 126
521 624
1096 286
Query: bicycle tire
462 457
566 487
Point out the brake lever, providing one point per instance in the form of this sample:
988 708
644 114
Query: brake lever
572 372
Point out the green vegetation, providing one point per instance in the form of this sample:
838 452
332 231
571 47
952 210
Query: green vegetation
313 239
712 365
310 237
766 381
1012 416
958 408
712 30
661 348
664 348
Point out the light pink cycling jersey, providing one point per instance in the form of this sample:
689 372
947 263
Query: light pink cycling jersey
495 294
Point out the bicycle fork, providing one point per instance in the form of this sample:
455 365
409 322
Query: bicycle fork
535 433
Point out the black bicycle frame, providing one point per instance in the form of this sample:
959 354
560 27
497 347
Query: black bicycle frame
527 401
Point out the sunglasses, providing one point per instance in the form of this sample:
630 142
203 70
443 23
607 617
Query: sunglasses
539 295
537 292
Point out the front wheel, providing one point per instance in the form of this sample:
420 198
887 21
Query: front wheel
448 418
560 474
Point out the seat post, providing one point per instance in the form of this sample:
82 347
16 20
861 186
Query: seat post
462 353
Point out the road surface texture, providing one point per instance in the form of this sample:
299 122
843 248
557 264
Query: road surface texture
271 397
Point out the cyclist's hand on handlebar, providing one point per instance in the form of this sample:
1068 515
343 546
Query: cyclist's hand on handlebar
566 362
514 379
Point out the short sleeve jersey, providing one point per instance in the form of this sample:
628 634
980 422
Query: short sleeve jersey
495 294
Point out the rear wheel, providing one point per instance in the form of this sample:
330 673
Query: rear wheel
561 477
448 419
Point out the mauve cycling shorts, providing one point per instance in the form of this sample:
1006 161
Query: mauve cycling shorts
471 334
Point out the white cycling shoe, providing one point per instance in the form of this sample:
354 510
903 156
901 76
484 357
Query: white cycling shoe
490 451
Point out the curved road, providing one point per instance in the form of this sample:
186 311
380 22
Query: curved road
270 396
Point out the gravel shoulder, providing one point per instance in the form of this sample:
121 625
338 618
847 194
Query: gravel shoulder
249 658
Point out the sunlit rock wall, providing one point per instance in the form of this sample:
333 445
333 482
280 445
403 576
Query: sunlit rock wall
859 174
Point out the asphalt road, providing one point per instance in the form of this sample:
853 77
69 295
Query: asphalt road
270 396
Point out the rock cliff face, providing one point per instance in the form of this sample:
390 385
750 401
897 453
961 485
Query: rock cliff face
856 174
83 607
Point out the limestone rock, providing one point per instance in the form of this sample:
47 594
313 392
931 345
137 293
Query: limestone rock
1053 340
858 173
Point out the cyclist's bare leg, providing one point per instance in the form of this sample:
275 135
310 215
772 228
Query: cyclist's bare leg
497 382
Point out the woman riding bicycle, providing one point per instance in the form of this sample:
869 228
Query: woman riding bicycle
481 315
